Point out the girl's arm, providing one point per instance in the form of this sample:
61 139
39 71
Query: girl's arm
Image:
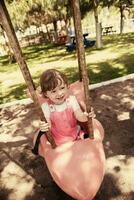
79 114
45 126
83 116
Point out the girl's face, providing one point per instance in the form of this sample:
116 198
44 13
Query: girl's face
58 94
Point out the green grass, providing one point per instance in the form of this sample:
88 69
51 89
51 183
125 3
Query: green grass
114 60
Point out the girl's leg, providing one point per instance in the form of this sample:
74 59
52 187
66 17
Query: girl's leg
36 142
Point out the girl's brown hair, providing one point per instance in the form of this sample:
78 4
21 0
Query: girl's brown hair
49 80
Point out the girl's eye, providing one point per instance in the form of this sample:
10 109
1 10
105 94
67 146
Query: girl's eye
53 91
63 87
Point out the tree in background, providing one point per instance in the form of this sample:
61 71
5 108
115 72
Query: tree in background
123 5
97 24
6 45
92 5
38 12
46 12
16 9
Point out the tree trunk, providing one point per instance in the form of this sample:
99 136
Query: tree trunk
97 26
121 19
7 47
55 30
48 34
98 35
81 59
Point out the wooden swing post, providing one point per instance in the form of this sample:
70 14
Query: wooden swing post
82 60
8 27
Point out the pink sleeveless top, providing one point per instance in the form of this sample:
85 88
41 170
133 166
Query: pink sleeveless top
64 125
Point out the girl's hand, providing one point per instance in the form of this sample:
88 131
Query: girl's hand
91 114
44 127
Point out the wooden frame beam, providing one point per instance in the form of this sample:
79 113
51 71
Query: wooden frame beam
82 60
8 27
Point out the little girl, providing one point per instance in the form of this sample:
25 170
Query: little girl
61 110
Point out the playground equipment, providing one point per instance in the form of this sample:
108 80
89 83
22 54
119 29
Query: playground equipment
72 45
77 167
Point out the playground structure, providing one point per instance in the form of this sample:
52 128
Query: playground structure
72 45
90 152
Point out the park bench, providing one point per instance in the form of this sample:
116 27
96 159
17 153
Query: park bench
108 30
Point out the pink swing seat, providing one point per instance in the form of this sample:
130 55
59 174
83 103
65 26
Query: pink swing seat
77 167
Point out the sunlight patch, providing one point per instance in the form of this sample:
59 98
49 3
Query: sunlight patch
9 138
96 71
14 177
125 99
122 168
123 116
129 88
105 97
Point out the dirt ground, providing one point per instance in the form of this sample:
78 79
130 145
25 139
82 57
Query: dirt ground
24 176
